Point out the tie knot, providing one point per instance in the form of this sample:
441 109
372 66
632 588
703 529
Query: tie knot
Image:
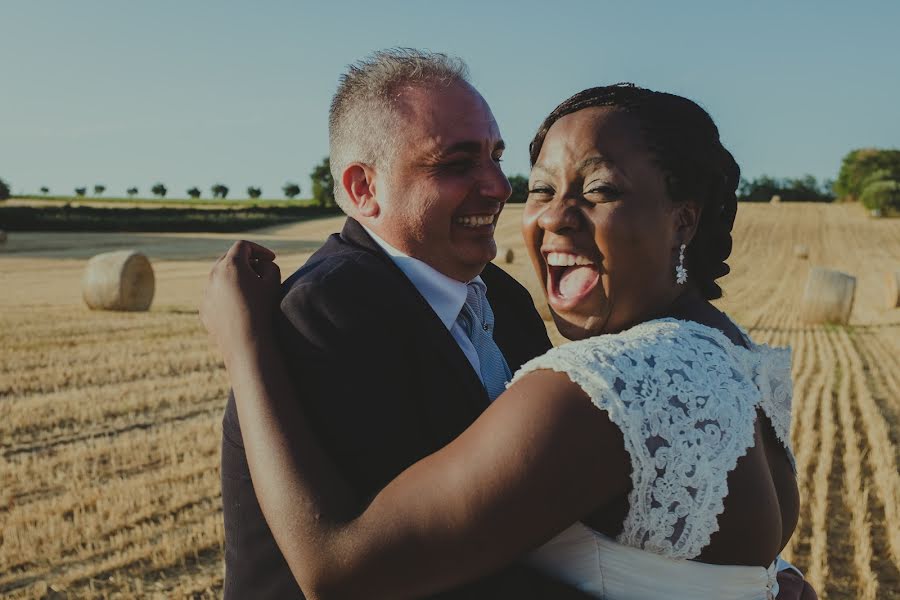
477 320
475 309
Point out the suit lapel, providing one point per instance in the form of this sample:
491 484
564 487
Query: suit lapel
417 310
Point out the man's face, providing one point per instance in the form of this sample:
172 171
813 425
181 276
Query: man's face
440 197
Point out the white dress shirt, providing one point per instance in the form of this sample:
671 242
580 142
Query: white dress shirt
445 295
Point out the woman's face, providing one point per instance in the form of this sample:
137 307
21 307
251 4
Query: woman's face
599 225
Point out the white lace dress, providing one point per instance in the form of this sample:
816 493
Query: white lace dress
685 398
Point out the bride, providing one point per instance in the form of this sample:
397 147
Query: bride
649 458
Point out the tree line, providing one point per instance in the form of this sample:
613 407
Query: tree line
322 188
868 175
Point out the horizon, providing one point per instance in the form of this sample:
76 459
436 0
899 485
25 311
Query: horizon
208 93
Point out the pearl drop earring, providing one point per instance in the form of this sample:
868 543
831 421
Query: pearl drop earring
680 271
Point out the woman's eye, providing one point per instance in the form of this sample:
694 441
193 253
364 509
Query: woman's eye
541 194
606 191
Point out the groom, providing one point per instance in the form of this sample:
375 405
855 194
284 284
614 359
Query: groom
399 329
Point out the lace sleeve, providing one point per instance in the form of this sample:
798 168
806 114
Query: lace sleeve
773 378
686 409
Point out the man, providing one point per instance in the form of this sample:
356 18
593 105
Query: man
395 346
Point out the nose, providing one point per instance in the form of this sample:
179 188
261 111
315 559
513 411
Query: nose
494 184
559 215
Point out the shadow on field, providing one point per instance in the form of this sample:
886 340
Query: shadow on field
155 246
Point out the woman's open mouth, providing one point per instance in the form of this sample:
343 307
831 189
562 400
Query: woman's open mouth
570 277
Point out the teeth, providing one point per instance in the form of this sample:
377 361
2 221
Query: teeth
564 259
475 220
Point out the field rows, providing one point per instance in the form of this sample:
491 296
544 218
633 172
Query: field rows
109 433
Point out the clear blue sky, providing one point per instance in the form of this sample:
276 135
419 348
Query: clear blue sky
195 92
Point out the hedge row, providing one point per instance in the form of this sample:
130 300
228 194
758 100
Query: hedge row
87 218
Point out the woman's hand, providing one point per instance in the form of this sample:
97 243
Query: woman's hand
240 296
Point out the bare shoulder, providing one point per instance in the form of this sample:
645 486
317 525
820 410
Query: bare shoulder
558 416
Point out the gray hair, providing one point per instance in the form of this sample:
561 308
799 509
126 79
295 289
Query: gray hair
362 120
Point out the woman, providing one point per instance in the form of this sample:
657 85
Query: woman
648 459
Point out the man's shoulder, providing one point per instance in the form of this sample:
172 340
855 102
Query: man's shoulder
336 265
503 287
344 284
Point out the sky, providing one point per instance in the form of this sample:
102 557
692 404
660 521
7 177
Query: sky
192 93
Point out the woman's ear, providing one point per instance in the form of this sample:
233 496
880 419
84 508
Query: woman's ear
686 219
359 182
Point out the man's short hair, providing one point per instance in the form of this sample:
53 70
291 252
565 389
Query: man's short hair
363 116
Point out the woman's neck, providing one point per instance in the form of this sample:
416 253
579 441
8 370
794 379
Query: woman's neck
689 305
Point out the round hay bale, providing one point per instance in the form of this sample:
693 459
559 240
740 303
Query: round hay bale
828 296
506 255
875 212
121 280
776 199
801 251
892 288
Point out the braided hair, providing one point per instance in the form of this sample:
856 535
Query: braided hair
685 144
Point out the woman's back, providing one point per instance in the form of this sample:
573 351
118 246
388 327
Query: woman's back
705 423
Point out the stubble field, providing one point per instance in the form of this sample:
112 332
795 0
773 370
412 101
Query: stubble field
110 422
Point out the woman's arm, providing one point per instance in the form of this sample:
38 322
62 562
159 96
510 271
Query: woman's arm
539 459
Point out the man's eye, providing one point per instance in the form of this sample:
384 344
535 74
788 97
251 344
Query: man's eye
459 166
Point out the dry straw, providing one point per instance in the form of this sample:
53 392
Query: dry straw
801 251
121 280
828 297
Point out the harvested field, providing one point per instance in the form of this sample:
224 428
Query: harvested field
109 422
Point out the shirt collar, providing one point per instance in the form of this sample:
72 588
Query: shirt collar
445 295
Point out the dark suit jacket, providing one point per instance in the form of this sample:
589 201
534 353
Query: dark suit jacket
384 385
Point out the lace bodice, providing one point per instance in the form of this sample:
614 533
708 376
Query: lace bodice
685 398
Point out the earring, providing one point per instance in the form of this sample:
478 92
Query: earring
680 271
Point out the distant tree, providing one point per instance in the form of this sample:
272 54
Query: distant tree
219 191
883 195
802 189
859 165
519 185
876 176
4 190
45 190
291 190
132 191
159 190
323 184
254 192
194 193
80 191
99 189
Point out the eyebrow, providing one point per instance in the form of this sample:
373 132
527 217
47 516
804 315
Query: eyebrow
470 147
591 161
595 161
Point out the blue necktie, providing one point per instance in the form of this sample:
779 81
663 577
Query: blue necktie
477 320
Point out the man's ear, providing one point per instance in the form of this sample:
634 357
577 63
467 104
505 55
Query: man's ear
359 184
686 219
